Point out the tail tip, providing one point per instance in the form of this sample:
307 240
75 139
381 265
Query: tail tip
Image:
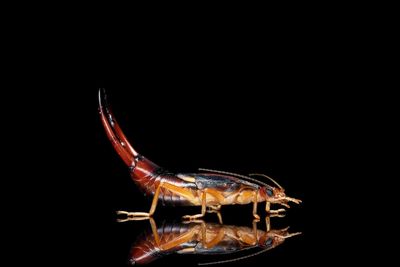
102 97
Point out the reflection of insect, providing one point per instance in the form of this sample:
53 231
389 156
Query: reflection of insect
209 189
198 237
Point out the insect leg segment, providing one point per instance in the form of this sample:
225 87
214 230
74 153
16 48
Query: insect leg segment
155 199
154 231
256 216
215 209
280 201
219 217
255 231
276 211
203 207
203 196
269 211
209 244
132 216
267 223
143 215
297 201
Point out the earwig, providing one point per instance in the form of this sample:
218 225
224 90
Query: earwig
201 238
209 189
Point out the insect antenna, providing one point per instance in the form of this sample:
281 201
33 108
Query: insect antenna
266 176
237 175
235 259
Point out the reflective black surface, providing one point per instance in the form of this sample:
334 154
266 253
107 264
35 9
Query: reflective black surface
212 243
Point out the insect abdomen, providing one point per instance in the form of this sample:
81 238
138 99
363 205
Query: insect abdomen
146 250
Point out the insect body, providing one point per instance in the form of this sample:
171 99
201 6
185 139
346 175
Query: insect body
209 189
198 237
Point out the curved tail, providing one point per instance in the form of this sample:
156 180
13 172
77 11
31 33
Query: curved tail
143 172
114 132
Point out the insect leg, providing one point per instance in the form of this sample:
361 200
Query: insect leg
203 207
267 206
219 217
255 206
155 199
276 211
155 232
269 211
213 242
142 215
215 209
255 230
131 218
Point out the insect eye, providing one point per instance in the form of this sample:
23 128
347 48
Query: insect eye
268 242
269 192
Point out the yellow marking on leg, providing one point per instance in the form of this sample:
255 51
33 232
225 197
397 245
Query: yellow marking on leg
267 206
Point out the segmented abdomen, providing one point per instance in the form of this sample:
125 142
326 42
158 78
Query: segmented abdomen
145 249
148 176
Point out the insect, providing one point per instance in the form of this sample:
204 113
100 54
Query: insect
201 238
209 189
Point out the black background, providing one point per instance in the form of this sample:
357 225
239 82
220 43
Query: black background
289 98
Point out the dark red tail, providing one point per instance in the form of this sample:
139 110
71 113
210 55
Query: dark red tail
143 171
114 132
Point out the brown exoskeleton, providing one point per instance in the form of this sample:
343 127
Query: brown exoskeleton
209 188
